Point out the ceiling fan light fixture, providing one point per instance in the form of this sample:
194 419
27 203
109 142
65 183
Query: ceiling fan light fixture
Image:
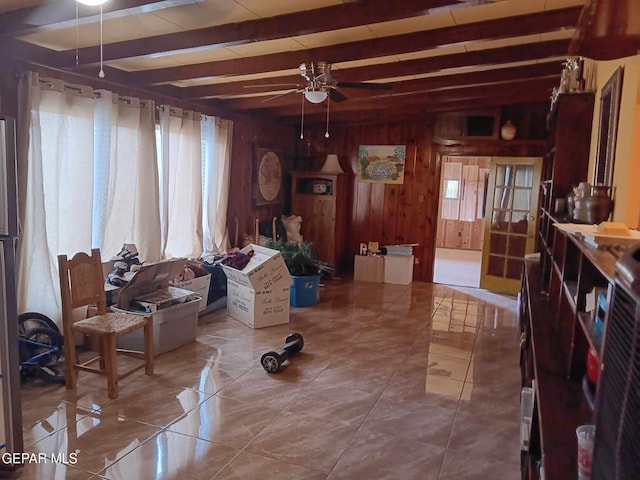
315 96
92 3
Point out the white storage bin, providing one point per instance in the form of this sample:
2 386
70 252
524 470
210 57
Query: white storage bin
199 285
398 269
172 327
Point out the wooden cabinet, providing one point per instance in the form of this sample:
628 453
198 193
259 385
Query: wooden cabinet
558 327
565 164
321 200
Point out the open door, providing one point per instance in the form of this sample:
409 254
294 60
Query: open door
510 221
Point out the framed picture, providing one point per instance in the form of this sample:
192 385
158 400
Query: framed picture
267 177
608 128
381 163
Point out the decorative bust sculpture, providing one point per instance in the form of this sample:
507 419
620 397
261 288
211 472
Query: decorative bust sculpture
580 195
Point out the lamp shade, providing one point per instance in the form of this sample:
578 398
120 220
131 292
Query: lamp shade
92 3
331 164
315 96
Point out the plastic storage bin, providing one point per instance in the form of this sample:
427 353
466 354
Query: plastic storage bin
172 327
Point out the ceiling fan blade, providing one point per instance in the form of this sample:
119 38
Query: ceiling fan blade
368 85
336 96
297 90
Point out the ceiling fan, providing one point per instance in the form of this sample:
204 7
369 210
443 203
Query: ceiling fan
321 84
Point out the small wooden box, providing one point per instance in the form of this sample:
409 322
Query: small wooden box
368 268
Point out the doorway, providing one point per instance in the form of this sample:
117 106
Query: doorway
460 228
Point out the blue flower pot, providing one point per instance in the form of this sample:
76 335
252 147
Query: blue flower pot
304 290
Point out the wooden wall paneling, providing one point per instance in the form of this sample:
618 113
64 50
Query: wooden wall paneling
246 136
377 212
390 214
407 200
386 212
469 198
429 183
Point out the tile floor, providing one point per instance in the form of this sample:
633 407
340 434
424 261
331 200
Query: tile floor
394 382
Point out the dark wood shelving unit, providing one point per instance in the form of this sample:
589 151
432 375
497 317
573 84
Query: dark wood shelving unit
558 330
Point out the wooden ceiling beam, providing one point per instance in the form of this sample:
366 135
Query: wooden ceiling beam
535 23
418 111
608 29
495 56
422 85
293 24
59 15
537 88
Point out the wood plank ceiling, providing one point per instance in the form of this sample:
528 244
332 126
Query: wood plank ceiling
224 55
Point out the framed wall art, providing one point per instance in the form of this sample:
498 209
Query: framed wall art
381 163
608 128
268 176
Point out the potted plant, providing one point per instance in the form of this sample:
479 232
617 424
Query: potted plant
303 268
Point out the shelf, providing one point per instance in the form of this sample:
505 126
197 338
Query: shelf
601 259
571 292
589 394
590 331
560 401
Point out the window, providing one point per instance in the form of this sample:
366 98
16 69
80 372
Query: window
452 189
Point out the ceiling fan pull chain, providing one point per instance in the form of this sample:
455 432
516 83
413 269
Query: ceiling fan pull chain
77 36
302 120
326 133
101 72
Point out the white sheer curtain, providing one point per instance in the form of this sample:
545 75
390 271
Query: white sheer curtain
216 157
88 178
127 205
181 180
57 175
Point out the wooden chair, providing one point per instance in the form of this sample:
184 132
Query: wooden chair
82 284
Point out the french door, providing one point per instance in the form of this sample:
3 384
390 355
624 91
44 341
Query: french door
510 221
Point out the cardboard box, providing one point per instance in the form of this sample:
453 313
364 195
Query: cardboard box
368 268
258 295
258 309
199 285
150 280
398 269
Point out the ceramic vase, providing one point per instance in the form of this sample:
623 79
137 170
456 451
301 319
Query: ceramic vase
508 131
599 204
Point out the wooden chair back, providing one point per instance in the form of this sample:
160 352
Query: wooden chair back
82 282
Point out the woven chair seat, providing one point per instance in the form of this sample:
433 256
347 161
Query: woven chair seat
110 323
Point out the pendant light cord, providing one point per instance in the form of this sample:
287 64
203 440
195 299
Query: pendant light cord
326 133
77 36
302 119
101 72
